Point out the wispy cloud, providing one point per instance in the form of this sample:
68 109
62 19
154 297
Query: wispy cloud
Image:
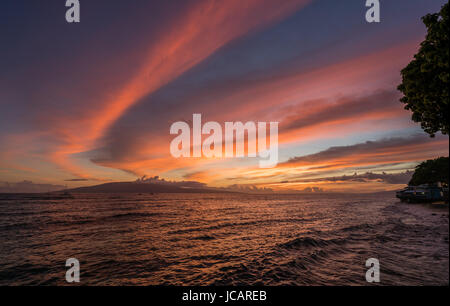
390 178
317 112
382 151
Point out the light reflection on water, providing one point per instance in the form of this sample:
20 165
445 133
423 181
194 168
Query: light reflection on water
201 239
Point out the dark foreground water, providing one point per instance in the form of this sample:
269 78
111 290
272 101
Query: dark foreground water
234 239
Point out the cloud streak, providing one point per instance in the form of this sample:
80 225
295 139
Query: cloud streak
390 178
384 151
204 28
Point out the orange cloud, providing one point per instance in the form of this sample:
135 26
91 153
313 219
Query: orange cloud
307 119
310 170
205 27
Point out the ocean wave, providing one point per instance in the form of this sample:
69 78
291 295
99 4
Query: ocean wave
310 242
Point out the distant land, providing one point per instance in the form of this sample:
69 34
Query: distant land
156 185
134 187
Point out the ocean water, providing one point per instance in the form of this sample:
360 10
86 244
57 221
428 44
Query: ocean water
221 239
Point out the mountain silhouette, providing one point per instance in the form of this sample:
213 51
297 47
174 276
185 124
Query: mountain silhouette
136 187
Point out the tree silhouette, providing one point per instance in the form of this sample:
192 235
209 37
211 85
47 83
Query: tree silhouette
426 79
431 171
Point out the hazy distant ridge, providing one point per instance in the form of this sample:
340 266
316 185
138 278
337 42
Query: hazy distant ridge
135 187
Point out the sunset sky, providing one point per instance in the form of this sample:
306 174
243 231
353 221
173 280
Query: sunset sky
93 102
